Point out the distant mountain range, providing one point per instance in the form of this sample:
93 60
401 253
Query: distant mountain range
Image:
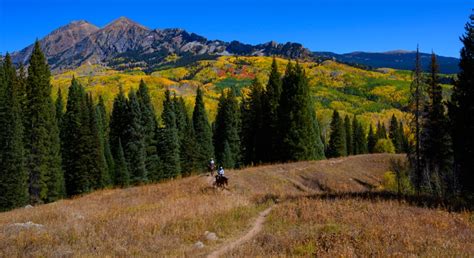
125 44
398 59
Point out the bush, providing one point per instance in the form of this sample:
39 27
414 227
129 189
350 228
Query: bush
384 146
398 180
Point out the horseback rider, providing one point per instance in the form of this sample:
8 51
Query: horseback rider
212 166
220 172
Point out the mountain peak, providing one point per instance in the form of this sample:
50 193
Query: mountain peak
124 22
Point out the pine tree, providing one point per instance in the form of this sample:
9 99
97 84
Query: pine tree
337 140
435 138
134 146
13 175
360 145
98 171
169 140
203 132
104 136
42 134
270 105
187 141
461 111
117 127
416 103
122 177
394 134
253 132
381 131
149 124
371 140
299 128
348 132
227 129
75 141
403 138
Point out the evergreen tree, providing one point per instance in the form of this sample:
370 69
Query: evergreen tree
104 136
394 134
46 181
122 177
203 132
134 146
13 175
461 111
187 141
22 95
359 140
75 141
227 129
149 124
252 132
435 138
381 131
416 103
270 105
337 140
117 127
403 138
99 176
169 140
348 132
371 140
299 128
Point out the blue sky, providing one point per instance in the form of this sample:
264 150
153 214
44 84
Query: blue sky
339 26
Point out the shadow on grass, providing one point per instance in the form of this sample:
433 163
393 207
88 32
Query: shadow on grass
425 201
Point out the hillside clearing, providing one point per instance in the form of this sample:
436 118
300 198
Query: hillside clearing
167 219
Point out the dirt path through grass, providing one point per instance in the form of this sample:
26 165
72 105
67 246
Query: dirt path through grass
256 228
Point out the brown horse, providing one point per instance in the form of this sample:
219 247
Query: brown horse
221 182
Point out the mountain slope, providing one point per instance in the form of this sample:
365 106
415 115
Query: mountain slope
124 44
399 59
167 219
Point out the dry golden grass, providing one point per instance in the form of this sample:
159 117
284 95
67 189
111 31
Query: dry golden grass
167 219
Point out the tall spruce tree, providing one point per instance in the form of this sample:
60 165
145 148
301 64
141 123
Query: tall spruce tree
359 140
461 112
337 140
13 174
299 128
270 105
169 140
187 139
371 140
75 141
149 125
122 176
203 132
253 134
59 104
227 129
46 182
117 127
436 142
381 131
394 134
348 132
415 106
104 136
134 146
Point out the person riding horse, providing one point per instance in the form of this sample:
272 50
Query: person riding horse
221 180
211 166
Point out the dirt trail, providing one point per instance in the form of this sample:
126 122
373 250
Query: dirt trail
256 228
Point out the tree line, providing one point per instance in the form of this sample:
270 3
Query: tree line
441 160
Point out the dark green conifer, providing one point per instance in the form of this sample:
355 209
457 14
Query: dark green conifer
348 132
203 132
299 129
13 174
59 104
227 129
253 134
187 141
122 177
371 140
43 145
104 136
461 112
394 134
169 140
337 140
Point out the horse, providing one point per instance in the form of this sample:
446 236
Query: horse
221 182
